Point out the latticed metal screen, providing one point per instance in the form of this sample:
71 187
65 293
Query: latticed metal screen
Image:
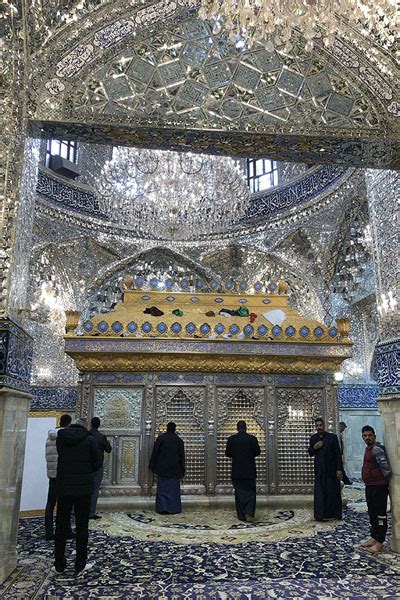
296 411
239 408
180 410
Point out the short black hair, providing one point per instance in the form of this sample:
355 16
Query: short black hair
171 427
65 420
319 419
95 422
241 426
368 428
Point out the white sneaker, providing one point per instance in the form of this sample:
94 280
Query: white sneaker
87 567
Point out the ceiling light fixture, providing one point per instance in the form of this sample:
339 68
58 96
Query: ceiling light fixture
173 196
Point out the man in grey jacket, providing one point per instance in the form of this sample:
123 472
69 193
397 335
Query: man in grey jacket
51 463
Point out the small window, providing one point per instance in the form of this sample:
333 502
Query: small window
262 174
64 148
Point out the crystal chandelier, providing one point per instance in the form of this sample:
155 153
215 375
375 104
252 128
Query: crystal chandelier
387 304
170 195
354 266
272 22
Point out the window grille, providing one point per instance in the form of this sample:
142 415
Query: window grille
262 174
65 148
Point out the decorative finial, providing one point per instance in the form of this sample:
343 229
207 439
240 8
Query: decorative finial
343 326
282 286
129 282
71 320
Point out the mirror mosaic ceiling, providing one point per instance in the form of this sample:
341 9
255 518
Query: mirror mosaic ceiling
152 74
78 75
190 75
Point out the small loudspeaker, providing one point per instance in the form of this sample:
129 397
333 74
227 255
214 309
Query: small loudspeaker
64 167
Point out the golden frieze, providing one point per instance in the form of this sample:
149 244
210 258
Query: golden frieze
205 363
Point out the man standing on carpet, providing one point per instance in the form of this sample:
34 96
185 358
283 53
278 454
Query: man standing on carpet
375 474
168 463
78 460
51 464
243 448
328 472
104 446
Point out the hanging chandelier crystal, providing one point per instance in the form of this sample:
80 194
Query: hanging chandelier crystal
170 195
272 22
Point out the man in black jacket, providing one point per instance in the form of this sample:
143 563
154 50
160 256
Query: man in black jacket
243 448
104 446
78 459
168 463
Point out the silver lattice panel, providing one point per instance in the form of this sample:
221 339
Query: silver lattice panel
239 408
295 426
180 411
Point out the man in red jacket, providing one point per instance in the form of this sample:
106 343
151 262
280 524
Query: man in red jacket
375 474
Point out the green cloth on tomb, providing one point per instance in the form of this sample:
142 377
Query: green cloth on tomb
235 312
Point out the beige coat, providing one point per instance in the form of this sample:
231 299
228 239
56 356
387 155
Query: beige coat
51 454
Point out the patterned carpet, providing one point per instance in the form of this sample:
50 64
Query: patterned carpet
193 559
218 526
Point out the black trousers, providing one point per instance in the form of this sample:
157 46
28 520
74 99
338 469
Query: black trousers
50 506
81 506
245 497
98 476
376 496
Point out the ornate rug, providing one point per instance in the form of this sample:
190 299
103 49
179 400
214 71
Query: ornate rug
206 526
326 563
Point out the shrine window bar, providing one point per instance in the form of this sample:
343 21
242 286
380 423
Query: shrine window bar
65 148
262 174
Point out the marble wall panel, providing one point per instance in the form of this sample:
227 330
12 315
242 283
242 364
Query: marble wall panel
354 446
14 407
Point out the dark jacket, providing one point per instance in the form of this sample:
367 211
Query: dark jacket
243 447
328 458
78 458
375 469
168 456
102 441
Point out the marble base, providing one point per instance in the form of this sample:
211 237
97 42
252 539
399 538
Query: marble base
147 502
390 409
14 406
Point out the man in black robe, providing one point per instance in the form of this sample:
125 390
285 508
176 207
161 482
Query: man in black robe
328 472
168 463
243 448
